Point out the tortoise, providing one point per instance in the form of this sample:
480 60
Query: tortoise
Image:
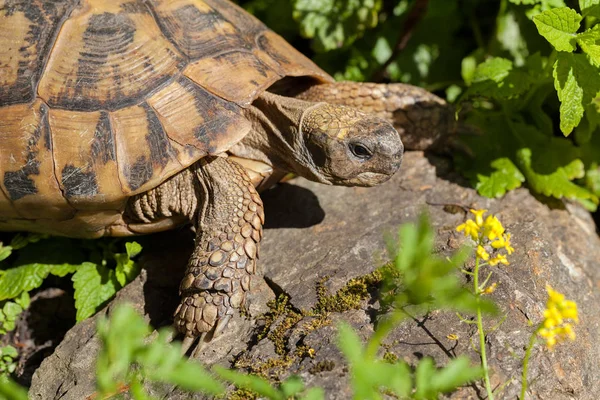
127 117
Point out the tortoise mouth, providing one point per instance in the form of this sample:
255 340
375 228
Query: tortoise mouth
368 179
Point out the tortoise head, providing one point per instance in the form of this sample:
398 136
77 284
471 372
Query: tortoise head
349 147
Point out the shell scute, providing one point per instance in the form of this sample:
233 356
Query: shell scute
85 157
107 56
197 120
27 29
26 162
197 29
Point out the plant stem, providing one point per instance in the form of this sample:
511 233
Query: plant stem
526 364
484 364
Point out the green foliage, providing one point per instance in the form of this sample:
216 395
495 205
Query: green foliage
291 388
423 278
10 312
7 360
123 338
98 269
10 390
335 23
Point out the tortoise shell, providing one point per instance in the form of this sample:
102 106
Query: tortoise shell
104 99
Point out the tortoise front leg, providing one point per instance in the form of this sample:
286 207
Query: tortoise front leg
419 116
229 230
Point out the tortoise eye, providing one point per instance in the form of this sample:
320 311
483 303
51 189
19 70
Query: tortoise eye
360 151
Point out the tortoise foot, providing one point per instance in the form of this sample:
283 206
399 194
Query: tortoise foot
202 317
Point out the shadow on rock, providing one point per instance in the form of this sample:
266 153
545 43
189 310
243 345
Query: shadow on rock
291 206
164 258
41 328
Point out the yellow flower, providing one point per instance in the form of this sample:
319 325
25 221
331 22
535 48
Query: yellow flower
481 253
499 258
470 228
558 315
490 289
492 228
478 216
503 242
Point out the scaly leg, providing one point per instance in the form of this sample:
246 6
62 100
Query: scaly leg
229 230
419 116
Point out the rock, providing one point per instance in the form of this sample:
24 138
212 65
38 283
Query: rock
320 237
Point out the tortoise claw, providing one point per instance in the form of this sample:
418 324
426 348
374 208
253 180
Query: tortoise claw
188 341
201 342
221 325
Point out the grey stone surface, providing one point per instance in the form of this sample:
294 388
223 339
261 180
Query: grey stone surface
316 233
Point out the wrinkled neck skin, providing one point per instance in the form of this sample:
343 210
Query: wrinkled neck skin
276 137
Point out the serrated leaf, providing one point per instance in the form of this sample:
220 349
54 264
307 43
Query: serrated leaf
27 277
590 7
9 351
5 252
559 26
505 177
590 44
576 83
558 183
94 285
24 300
335 23
494 69
11 309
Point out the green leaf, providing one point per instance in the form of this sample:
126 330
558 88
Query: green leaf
456 373
94 285
505 177
292 386
10 390
577 84
24 300
315 393
250 382
335 23
5 252
557 184
127 269
11 310
509 35
590 7
423 376
559 26
527 2
9 351
589 42
126 356
349 343
27 277
494 69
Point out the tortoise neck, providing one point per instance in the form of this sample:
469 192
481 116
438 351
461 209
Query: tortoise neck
277 137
